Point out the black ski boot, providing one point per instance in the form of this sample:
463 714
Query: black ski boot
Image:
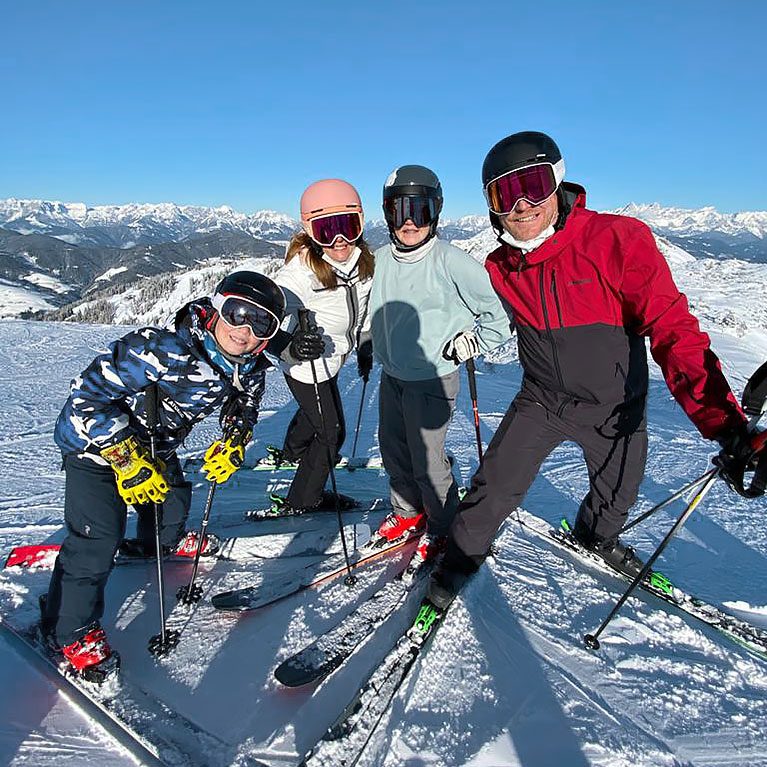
620 557
615 553
328 502
450 576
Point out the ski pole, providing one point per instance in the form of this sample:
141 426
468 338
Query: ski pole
471 371
350 580
758 443
678 494
592 640
193 592
165 641
359 419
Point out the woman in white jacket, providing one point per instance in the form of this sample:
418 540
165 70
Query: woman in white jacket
328 270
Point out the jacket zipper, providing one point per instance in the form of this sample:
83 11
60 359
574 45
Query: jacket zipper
551 336
556 298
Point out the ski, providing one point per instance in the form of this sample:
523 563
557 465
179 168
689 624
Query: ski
345 741
746 635
267 463
261 515
305 543
267 593
329 651
133 718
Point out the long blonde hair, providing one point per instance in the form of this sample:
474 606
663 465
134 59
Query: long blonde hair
302 243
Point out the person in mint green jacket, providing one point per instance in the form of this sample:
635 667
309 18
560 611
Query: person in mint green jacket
432 308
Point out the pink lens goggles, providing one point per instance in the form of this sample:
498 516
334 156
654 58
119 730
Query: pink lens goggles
535 183
325 230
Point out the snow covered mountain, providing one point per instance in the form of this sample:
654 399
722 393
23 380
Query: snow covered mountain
125 226
706 232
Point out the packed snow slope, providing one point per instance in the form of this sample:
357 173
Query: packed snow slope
506 680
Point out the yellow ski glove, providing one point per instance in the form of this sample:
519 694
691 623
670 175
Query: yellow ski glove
138 481
224 457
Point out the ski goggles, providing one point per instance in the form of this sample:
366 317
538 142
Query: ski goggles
325 230
535 184
421 210
237 311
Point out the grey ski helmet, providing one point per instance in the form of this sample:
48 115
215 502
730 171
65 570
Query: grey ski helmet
412 192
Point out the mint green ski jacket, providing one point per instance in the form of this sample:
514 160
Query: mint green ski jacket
417 307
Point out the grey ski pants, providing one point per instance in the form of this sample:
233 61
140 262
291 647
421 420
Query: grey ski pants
413 421
95 514
614 444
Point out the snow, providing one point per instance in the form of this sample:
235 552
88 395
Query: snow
109 273
506 680
47 281
15 300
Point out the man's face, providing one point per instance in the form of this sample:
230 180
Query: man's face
527 221
409 234
236 340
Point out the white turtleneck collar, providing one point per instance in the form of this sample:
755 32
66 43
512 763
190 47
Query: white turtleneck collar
525 246
344 267
411 256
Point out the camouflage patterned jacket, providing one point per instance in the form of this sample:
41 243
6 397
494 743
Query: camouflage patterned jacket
106 401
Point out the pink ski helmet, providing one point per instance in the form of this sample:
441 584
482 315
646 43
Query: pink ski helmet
332 208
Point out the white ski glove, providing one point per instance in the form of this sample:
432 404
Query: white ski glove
464 346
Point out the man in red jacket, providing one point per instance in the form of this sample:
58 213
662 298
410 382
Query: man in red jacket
583 290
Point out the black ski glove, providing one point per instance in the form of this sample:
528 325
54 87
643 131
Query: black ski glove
307 344
737 457
365 359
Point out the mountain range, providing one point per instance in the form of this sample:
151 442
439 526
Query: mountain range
53 254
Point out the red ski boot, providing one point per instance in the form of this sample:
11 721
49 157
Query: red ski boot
91 657
396 528
187 546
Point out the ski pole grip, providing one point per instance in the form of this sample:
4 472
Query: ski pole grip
471 370
303 319
151 397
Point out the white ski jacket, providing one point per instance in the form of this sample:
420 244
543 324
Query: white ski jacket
341 313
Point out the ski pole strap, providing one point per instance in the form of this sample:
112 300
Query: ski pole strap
755 393
735 476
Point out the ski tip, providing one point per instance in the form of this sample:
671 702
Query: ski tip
41 555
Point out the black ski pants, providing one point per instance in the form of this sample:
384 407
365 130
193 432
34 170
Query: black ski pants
614 444
309 443
95 515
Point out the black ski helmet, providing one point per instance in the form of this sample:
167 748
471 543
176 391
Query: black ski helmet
256 288
412 181
519 151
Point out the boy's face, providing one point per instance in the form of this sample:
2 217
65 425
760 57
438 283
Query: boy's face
237 340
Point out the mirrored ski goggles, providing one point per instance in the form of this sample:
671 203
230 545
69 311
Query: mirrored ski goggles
238 311
535 184
422 211
325 230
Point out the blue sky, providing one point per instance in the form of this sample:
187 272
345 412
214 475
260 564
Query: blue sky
244 103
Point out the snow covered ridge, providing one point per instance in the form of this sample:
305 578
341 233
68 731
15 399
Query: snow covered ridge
708 219
125 226
707 233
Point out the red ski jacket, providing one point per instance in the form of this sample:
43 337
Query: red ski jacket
582 303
